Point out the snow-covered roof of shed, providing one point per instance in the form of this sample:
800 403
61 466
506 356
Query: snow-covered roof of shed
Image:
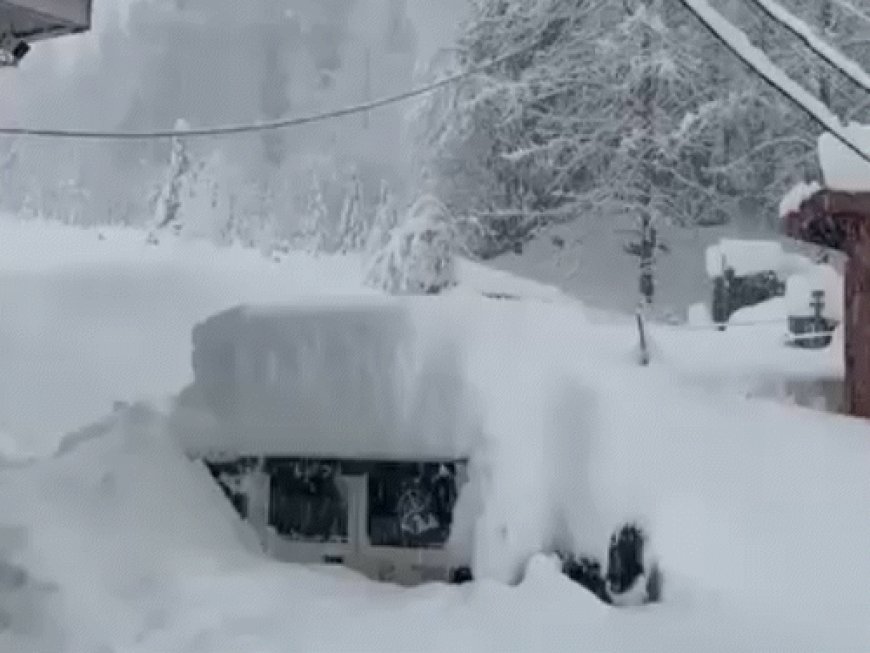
744 256
362 378
793 199
799 288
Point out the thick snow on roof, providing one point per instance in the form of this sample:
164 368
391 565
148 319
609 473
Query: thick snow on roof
753 256
793 199
799 289
351 377
842 168
744 256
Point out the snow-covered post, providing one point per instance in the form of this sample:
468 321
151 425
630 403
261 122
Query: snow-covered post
838 217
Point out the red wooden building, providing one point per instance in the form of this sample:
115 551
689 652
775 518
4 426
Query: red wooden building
841 220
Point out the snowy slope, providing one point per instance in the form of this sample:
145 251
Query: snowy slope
755 508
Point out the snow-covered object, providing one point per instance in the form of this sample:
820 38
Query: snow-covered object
842 168
793 199
799 289
743 256
331 377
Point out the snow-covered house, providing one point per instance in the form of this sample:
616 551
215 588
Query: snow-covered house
24 21
337 431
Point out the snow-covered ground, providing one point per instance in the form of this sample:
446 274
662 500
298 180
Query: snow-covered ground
755 508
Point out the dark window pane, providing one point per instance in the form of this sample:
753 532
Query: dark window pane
308 502
411 505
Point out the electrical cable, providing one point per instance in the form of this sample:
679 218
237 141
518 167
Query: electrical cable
704 17
270 125
838 61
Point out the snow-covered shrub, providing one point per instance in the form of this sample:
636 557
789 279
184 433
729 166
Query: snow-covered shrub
418 257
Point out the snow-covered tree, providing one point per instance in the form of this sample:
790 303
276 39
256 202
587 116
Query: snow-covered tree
419 256
353 226
195 200
206 208
315 231
624 108
176 188
385 220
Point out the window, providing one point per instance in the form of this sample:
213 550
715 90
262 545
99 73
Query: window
308 501
411 505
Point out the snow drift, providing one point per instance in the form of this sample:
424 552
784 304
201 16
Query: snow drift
754 508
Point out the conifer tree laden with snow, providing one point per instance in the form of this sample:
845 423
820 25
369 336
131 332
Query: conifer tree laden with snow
419 256
386 219
353 227
175 189
315 224
206 209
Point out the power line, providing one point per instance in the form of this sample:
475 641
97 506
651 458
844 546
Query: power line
270 125
827 53
848 7
732 38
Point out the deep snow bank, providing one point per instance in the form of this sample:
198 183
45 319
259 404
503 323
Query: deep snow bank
755 509
86 321
119 512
